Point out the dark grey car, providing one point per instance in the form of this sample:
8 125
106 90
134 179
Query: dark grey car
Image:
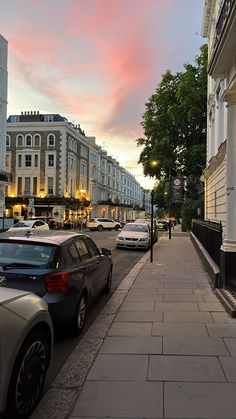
66 269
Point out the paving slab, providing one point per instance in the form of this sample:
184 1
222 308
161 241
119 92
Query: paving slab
194 346
119 368
183 297
185 368
120 399
140 316
137 305
179 329
176 306
228 364
132 345
222 330
200 400
211 307
187 317
231 346
222 317
130 329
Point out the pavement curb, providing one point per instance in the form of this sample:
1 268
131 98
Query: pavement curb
59 401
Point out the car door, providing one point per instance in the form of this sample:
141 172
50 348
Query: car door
102 262
88 265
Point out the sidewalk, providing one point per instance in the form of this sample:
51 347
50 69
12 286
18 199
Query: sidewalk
163 347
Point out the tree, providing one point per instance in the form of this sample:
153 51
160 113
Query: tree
174 126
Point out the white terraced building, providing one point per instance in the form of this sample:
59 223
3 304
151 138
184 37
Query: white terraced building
219 26
59 172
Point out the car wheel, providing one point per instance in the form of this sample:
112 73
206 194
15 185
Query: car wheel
100 228
107 288
80 314
117 227
28 375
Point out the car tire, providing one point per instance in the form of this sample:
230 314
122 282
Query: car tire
117 227
107 287
100 228
80 315
28 375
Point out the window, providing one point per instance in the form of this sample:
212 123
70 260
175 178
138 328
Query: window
35 180
50 185
37 140
28 141
7 162
51 160
36 160
8 141
19 186
15 118
48 118
19 160
28 160
51 140
82 249
19 140
92 247
27 185
74 252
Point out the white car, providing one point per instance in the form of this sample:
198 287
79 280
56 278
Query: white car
26 342
134 235
103 224
29 225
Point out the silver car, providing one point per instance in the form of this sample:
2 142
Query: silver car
134 235
26 343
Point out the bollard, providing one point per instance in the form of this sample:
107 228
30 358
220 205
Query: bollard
169 232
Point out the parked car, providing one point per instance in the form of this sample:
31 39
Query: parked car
29 225
26 342
162 225
103 224
134 235
65 268
148 222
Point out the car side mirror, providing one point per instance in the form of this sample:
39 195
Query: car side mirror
105 251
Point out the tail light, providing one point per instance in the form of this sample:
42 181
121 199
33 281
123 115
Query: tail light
57 282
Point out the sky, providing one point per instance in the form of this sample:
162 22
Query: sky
97 62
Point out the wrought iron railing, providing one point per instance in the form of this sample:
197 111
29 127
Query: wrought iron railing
209 234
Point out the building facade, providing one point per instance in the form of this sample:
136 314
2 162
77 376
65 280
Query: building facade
58 172
219 26
4 174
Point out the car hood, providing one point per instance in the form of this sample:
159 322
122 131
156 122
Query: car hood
130 234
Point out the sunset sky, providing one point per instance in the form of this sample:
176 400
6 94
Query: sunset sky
97 62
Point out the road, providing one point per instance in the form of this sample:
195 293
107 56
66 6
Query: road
123 261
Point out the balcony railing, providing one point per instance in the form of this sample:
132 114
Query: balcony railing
224 14
210 236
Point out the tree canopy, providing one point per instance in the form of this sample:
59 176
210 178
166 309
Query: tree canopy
174 128
174 123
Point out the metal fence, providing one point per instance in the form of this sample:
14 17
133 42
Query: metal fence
209 234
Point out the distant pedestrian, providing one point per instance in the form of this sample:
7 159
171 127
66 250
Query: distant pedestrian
84 223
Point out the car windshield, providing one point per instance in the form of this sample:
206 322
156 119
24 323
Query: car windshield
23 224
28 255
136 227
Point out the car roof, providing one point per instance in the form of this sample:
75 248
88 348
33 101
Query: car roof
42 236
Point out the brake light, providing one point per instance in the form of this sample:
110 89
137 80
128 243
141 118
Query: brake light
57 282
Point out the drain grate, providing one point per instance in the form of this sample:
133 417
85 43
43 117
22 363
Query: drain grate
228 300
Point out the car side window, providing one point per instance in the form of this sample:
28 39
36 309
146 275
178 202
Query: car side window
91 247
74 252
82 249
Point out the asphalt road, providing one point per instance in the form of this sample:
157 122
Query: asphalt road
123 262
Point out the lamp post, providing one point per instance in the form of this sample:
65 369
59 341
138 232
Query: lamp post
151 249
154 163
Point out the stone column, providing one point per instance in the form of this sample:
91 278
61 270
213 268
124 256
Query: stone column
228 248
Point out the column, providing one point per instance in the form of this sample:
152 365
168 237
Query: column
228 248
